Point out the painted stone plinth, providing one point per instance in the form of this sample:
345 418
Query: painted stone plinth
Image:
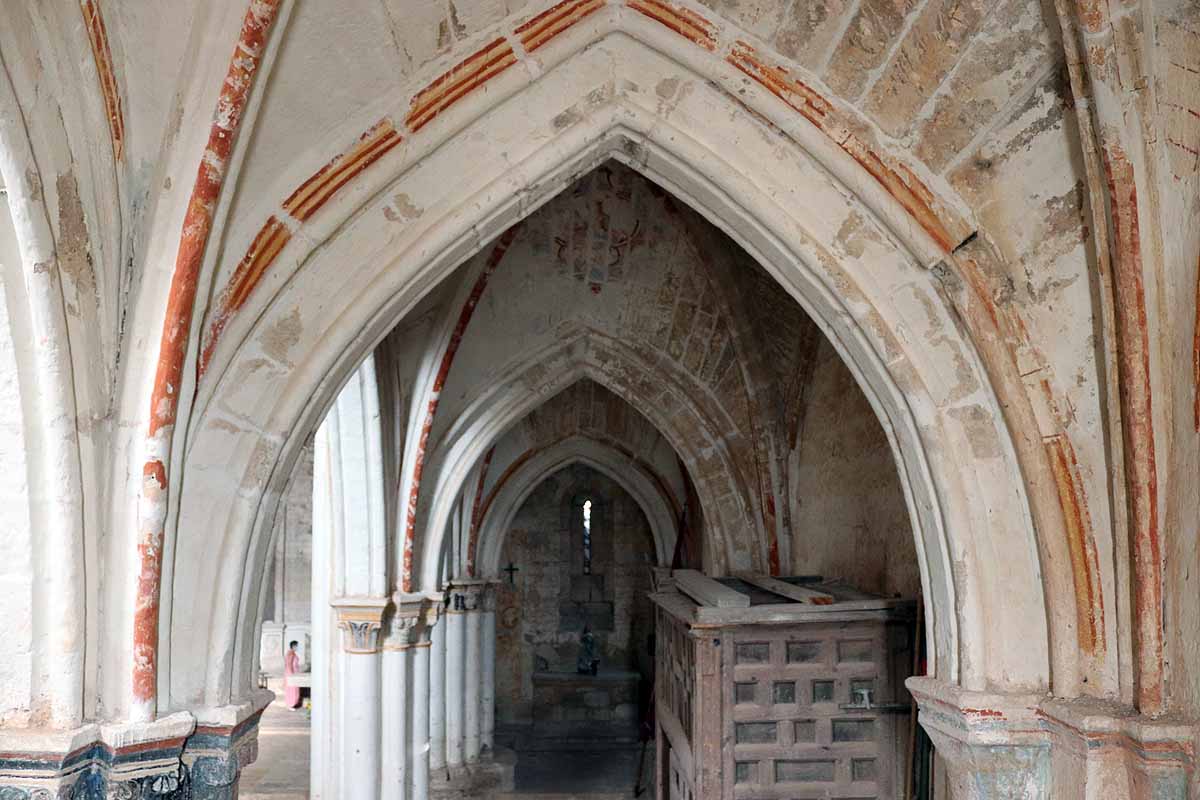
1033 746
178 760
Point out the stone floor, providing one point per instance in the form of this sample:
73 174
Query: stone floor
609 773
594 775
281 771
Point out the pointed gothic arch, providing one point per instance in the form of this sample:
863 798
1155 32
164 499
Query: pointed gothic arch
600 456
996 592
686 424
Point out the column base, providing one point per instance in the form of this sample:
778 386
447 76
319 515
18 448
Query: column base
1034 746
490 776
172 758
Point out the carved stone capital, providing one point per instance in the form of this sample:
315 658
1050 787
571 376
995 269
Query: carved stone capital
408 625
488 601
473 596
361 622
400 632
465 595
432 613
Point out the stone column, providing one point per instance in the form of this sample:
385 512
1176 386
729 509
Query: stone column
473 672
421 695
487 698
456 646
394 731
437 696
360 620
350 577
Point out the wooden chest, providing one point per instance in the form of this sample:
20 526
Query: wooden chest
772 696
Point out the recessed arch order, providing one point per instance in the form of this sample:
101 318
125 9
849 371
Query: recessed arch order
666 397
600 456
785 194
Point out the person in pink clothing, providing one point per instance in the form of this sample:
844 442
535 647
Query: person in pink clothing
291 666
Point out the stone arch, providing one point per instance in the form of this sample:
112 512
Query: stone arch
723 494
991 608
600 456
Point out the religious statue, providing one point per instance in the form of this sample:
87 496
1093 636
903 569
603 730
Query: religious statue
587 663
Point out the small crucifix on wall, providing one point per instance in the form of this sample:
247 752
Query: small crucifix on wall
511 570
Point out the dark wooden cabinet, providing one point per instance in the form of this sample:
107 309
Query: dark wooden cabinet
776 698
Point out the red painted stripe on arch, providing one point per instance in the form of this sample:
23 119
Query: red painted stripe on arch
325 182
102 54
305 201
458 81
477 512
1196 357
799 96
682 21
476 70
895 178
550 23
1080 545
177 325
464 319
1137 422
269 240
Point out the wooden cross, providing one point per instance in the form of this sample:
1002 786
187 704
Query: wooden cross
511 570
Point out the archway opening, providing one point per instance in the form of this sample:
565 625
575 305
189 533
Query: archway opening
814 220
574 634
285 654
615 332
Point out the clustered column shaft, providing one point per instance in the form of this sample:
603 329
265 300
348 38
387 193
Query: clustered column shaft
381 714
437 697
474 675
420 694
487 699
462 722
392 738
456 646
414 694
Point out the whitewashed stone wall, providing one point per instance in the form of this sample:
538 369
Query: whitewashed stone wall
849 516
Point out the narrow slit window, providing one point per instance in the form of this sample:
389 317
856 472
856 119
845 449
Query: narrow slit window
587 537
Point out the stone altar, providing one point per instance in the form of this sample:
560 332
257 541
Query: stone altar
570 706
